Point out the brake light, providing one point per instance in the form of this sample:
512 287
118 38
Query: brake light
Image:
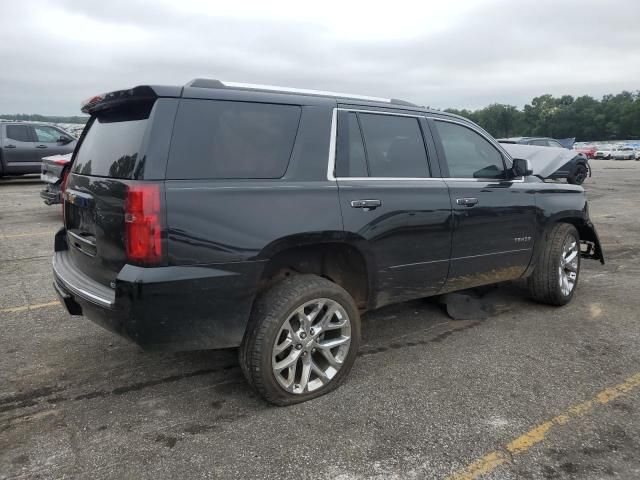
142 222
63 186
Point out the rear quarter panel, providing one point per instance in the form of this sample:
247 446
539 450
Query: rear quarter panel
220 221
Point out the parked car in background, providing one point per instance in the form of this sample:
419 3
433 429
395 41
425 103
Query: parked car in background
269 219
575 171
54 172
588 151
603 152
624 153
23 144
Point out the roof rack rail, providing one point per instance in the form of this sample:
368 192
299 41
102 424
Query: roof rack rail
213 83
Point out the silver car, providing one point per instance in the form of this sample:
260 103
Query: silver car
624 153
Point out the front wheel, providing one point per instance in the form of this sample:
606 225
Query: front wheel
555 277
301 341
579 175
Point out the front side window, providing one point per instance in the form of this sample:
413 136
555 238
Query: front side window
225 139
47 134
469 154
19 133
394 146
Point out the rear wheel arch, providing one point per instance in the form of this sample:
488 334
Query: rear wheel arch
340 262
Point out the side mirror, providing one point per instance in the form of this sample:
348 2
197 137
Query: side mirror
64 140
521 167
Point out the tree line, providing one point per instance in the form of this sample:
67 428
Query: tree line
615 117
25 117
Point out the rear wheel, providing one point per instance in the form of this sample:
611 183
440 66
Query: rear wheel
555 277
301 341
579 174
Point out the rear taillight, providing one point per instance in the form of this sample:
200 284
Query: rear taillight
142 222
63 185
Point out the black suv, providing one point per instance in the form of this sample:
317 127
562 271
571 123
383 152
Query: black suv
217 215
24 144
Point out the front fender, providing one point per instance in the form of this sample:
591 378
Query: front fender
589 237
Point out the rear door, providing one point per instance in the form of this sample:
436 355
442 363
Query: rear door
393 201
494 217
18 150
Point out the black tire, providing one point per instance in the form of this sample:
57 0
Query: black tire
579 174
270 311
544 283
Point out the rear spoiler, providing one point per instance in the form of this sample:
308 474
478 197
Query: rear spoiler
114 99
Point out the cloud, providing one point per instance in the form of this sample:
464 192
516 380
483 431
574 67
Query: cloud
467 53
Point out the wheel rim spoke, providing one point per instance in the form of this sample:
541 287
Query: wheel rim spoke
335 342
288 361
569 266
305 374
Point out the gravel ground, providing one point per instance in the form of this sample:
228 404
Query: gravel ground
427 397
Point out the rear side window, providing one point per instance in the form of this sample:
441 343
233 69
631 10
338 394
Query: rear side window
469 154
394 146
111 146
222 139
19 133
351 160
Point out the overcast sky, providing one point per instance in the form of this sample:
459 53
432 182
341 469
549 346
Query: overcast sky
462 53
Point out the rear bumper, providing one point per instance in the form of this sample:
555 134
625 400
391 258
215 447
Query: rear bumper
51 194
165 308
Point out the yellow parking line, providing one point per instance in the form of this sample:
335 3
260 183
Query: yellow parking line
18 235
523 443
29 307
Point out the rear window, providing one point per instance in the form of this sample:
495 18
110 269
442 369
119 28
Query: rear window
222 139
111 147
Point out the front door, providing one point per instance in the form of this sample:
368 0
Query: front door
392 206
48 141
494 216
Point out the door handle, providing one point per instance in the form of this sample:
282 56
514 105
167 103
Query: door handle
467 202
9 146
41 146
366 204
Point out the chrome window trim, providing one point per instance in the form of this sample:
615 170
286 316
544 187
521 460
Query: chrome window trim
332 152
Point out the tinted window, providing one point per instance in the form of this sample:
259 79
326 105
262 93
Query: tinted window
539 143
350 157
111 147
220 139
47 134
553 143
394 146
19 133
468 154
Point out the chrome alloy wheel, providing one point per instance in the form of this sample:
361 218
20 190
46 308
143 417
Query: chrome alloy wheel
569 265
311 346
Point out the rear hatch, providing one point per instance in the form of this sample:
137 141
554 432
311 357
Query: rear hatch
112 162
